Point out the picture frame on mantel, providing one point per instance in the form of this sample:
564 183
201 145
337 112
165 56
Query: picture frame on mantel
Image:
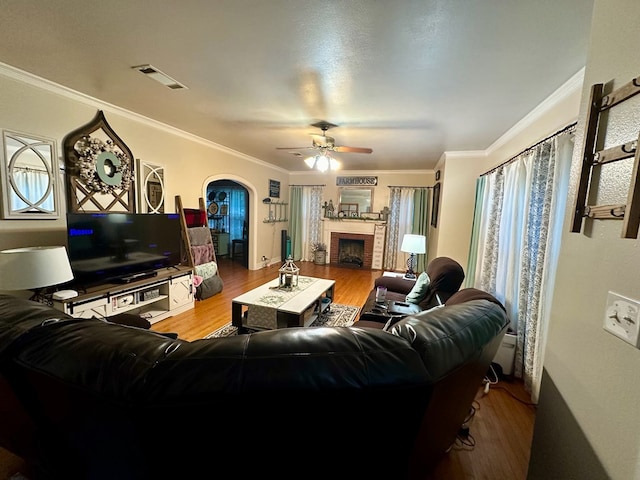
436 205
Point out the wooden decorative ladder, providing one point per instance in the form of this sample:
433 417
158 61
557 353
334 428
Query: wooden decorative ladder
629 212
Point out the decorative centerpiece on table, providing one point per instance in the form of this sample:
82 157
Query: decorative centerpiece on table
289 275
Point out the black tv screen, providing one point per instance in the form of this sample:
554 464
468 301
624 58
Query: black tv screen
112 247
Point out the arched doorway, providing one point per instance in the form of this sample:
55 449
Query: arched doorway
228 215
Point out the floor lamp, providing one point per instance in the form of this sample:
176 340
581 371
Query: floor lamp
413 244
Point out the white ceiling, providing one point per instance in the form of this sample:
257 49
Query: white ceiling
408 78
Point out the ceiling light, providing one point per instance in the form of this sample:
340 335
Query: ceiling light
158 76
322 162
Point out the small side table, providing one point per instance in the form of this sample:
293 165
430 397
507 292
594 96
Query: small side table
397 275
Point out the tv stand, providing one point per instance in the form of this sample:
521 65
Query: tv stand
154 295
136 276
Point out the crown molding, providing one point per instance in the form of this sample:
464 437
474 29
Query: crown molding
570 87
57 89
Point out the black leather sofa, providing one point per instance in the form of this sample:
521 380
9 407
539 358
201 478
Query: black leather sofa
90 399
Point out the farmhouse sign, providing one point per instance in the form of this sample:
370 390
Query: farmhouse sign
348 181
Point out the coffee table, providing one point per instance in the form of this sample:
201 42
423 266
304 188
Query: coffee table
270 308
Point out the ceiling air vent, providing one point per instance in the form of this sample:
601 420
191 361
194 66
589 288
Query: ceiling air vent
158 76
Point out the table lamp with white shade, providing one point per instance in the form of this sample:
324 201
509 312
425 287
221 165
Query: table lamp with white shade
413 244
34 268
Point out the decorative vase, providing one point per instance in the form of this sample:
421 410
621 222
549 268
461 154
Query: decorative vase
320 257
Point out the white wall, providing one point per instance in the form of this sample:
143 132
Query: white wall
38 107
590 375
416 178
460 170
34 106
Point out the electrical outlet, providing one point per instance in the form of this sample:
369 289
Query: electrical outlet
621 318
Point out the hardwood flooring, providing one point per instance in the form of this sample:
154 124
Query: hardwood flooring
500 431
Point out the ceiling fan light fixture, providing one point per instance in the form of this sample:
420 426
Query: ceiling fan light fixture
322 163
310 161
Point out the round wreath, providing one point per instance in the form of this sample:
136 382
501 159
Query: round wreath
88 150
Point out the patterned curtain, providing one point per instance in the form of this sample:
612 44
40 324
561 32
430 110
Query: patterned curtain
393 226
516 233
408 213
305 223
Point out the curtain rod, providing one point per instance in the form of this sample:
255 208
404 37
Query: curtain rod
318 185
405 186
561 131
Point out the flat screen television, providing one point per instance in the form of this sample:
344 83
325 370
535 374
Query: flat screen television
120 247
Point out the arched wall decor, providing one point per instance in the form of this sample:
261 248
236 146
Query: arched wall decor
100 169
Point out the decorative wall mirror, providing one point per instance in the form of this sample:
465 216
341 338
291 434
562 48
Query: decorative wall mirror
363 196
29 177
151 187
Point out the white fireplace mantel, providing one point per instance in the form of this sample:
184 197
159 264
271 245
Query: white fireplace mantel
378 229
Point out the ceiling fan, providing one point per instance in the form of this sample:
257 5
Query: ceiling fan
325 143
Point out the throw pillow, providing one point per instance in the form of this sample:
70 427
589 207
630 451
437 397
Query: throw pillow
420 289
206 270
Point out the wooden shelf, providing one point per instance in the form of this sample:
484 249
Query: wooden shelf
277 212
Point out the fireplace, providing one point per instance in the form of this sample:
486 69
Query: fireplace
351 250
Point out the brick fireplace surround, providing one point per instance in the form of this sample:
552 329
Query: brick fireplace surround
373 234
368 247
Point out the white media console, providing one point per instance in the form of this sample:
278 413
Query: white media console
167 293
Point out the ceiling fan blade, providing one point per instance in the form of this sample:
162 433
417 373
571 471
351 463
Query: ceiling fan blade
352 149
294 148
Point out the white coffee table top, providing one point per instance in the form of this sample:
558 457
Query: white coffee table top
295 301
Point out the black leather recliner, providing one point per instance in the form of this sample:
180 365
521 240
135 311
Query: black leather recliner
445 278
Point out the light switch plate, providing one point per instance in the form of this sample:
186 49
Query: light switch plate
621 317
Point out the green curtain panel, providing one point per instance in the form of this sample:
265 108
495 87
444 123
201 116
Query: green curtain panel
296 221
420 222
475 233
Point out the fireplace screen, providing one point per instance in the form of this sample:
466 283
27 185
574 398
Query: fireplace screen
351 252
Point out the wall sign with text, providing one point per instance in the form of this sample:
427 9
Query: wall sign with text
348 181
274 189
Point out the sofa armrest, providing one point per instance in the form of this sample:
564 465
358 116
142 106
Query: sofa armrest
396 284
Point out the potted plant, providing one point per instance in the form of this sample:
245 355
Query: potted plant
319 251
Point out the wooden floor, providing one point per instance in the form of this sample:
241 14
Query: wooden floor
501 428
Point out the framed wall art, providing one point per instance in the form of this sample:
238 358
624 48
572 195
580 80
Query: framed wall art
274 189
99 169
436 205
152 187
30 183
